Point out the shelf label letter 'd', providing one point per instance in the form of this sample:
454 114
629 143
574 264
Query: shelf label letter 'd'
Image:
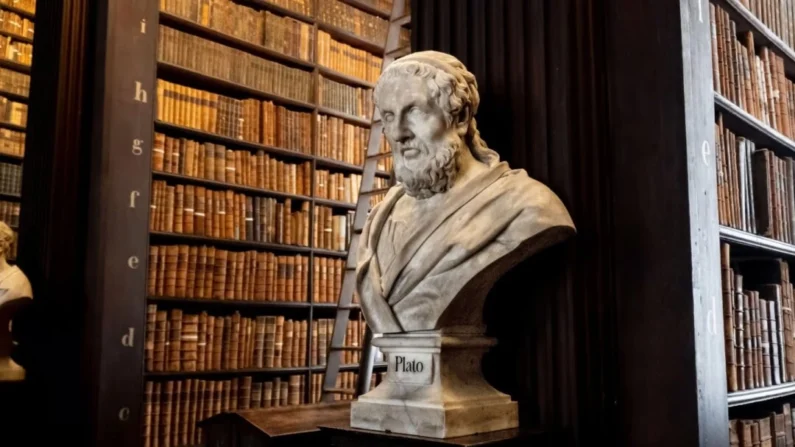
127 339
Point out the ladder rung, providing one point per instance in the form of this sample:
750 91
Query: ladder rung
340 391
403 21
400 52
351 307
379 155
374 191
345 348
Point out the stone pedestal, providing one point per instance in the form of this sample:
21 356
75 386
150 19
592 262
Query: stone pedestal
434 387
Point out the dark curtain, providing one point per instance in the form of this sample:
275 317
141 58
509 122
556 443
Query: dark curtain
537 67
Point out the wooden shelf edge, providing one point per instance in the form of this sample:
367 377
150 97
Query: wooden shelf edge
173 20
230 303
351 39
222 86
11 197
334 253
232 142
16 159
736 236
358 4
747 21
231 242
335 203
755 130
746 397
15 66
227 372
22 39
344 78
21 12
353 119
230 186
282 11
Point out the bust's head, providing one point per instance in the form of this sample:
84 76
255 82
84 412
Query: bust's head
427 101
6 239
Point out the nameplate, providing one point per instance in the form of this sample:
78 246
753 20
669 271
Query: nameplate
416 369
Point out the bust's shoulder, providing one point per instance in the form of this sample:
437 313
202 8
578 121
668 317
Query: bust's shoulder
530 198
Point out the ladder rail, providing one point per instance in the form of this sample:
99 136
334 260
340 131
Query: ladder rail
329 390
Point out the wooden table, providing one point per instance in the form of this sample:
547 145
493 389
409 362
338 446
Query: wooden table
342 435
280 426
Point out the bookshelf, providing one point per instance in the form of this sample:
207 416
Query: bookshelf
16 51
258 134
753 68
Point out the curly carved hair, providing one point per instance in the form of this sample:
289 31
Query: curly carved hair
6 239
445 74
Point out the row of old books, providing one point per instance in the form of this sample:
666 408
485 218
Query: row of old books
230 64
16 51
346 380
773 429
344 16
12 142
758 304
332 231
337 186
172 408
225 214
14 24
206 272
250 120
13 112
356 101
178 341
24 5
218 163
756 187
347 59
777 15
751 77
10 179
341 141
9 213
385 164
274 32
14 82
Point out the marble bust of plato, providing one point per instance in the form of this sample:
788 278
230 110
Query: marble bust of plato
458 218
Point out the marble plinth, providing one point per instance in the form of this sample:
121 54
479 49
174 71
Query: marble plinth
10 371
434 387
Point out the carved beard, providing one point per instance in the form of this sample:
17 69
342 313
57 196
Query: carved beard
435 171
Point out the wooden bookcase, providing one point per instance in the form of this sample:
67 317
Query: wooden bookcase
17 21
755 144
130 121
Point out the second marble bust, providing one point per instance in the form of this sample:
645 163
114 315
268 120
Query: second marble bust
459 217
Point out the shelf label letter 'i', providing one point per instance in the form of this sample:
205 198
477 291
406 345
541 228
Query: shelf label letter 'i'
140 93
143 26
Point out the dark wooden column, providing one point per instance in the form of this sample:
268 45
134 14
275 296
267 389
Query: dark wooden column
667 265
615 335
53 227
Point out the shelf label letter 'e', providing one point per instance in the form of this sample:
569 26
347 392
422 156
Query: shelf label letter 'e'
127 339
133 262
140 93
124 414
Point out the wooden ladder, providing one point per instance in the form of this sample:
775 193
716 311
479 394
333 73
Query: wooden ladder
398 18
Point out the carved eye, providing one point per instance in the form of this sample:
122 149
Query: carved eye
414 110
388 117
